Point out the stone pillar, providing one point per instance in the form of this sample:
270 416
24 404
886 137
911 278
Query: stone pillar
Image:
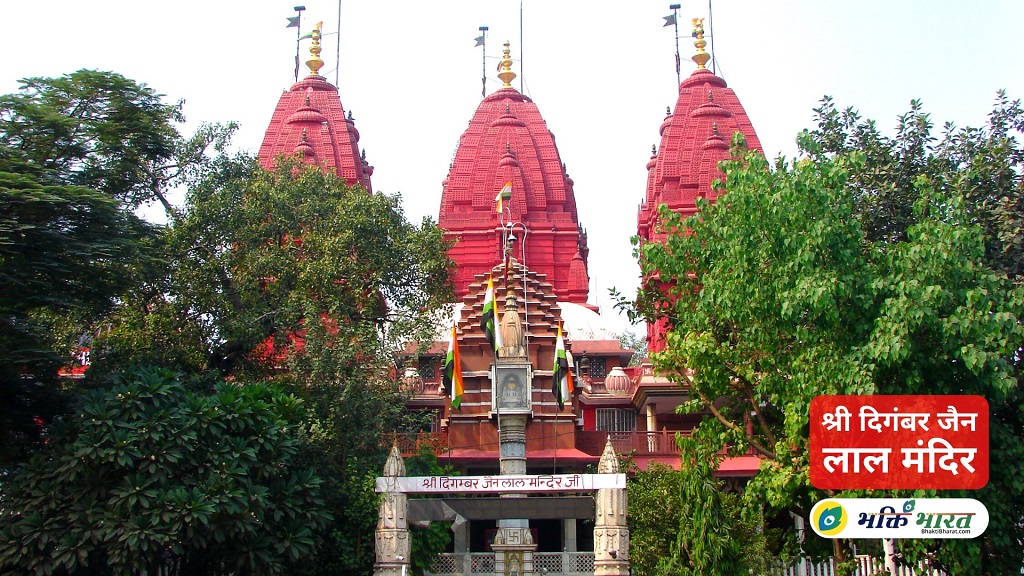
513 544
512 443
513 549
611 534
392 536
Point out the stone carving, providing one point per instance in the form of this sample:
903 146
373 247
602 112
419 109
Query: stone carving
611 535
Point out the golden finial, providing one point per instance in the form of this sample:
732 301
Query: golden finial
314 62
505 68
701 57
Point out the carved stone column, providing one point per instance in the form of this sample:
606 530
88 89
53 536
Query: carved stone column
611 534
392 535
512 443
513 550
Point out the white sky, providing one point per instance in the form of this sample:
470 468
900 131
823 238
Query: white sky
600 73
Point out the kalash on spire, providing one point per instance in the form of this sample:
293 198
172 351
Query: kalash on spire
508 142
310 123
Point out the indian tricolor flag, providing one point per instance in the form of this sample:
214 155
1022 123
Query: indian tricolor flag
561 384
452 374
489 319
505 194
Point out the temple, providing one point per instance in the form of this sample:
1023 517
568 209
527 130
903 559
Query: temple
510 209
508 143
309 123
695 137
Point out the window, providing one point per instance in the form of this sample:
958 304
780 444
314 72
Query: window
594 367
428 367
616 420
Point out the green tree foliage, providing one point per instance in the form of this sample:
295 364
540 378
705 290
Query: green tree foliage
102 131
871 265
295 277
296 251
682 523
65 252
149 476
630 340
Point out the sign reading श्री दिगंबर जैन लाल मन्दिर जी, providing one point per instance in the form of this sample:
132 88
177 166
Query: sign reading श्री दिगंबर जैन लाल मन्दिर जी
505 483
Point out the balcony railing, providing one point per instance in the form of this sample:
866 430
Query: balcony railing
640 443
411 444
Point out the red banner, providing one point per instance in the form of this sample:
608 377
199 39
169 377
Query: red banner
899 442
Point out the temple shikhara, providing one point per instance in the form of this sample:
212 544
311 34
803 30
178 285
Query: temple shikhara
510 207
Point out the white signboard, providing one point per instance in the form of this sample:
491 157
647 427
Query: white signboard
508 483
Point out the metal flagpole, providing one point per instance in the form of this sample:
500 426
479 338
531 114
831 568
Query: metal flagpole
298 39
337 54
675 21
522 54
711 32
483 72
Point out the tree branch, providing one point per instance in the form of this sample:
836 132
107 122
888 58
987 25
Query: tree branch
731 425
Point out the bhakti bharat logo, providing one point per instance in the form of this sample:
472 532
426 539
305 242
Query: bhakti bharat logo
829 518
899 518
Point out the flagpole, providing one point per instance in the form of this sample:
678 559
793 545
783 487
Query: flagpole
483 69
711 32
675 18
554 465
298 34
522 54
337 53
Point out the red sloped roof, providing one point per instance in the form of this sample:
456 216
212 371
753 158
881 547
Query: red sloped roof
695 137
310 122
507 140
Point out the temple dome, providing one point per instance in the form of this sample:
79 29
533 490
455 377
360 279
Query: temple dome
695 137
506 141
309 121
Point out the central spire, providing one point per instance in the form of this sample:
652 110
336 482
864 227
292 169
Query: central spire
505 68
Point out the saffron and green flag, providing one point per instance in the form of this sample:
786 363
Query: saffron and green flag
561 375
489 319
505 194
452 372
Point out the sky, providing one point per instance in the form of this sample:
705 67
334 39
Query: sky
602 74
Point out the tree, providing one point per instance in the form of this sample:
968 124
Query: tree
77 154
102 131
808 279
65 252
682 523
151 478
630 340
292 276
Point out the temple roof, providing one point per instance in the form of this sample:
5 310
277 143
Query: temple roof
695 137
310 122
507 141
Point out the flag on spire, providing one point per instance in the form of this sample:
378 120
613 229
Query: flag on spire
505 194
293 21
670 20
479 40
452 371
561 376
489 319
319 26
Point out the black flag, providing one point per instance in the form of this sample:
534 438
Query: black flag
670 20
293 21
